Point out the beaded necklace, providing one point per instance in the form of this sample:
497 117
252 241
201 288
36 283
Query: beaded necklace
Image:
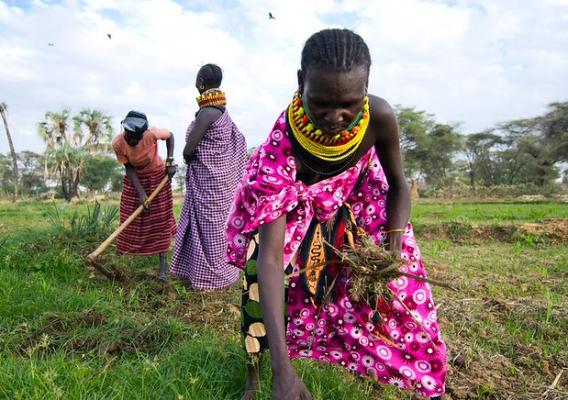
324 146
212 97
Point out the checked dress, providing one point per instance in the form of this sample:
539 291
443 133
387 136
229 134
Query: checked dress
212 176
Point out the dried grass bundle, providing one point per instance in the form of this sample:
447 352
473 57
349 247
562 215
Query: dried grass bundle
372 267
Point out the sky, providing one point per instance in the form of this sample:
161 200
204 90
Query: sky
471 62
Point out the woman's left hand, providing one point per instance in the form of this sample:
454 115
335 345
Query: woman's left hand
171 170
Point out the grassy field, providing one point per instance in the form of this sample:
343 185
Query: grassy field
67 332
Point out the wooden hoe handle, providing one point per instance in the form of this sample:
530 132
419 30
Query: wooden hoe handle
91 257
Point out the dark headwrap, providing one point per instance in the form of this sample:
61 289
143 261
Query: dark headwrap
135 123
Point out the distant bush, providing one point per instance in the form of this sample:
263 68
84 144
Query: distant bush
97 223
480 192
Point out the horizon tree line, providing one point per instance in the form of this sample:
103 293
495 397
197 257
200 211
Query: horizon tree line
523 152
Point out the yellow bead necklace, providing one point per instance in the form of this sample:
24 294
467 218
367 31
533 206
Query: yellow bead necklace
212 97
327 147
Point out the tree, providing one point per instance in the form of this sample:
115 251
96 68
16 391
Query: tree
31 173
3 108
554 127
6 175
117 181
527 157
443 143
30 168
413 126
93 131
428 148
100 171
479 153
67 150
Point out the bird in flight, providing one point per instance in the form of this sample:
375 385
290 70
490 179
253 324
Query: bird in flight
270 16
109 35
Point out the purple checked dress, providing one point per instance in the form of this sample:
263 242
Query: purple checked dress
212 176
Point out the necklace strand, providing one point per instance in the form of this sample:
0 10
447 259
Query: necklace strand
212 97
330 148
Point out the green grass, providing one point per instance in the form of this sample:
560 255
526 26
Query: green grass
203 369
34 212
486 212
67 332
509 319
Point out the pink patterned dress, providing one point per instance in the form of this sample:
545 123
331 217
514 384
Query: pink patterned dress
404 347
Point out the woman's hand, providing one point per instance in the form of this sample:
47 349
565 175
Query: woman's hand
395 243
171 170
142 200
289 386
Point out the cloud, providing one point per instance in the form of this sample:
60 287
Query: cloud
469 61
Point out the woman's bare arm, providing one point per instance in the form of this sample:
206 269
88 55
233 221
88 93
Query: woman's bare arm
286 384
387 146
203 121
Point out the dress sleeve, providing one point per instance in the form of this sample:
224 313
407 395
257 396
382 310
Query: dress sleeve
266 192
119 150
159 133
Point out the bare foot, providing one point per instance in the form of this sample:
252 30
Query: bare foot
168 290
249 394
252 385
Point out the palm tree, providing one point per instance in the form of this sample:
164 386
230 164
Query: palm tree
93 131
3 108
53 131
67 150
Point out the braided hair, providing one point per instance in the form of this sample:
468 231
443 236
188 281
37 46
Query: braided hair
338 49
211 75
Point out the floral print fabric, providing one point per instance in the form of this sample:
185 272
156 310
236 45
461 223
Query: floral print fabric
404 348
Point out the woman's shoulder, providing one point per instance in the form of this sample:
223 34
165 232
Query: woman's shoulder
383 124
380 108
209 117
211 112
277 139
156 133
118 140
